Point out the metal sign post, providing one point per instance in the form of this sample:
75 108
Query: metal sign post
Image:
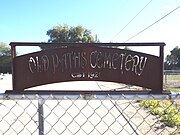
41 116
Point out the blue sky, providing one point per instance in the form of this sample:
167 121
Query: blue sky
28 20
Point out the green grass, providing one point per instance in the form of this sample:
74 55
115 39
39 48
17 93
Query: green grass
173 89
172 82
173 77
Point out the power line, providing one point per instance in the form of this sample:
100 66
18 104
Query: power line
132 19
153 23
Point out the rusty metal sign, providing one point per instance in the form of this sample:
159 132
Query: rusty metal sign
88 62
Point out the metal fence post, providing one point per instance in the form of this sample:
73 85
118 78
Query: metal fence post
41 116
165 75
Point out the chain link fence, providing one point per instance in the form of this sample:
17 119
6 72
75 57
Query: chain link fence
89 114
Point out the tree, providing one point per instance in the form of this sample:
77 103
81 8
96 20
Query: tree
67 34
172 61
5 58
4 50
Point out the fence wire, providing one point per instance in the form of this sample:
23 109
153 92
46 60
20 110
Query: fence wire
89 114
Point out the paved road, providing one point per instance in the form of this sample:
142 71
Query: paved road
6 84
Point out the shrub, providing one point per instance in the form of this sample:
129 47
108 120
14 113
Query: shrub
168 112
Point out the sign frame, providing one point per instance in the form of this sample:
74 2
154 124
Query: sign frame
95 56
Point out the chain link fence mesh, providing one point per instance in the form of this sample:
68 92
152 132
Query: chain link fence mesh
88 114
92 114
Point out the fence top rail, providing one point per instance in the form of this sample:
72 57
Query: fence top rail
89 97
171 71
77 44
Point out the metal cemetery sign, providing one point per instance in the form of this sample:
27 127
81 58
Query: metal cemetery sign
87 62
